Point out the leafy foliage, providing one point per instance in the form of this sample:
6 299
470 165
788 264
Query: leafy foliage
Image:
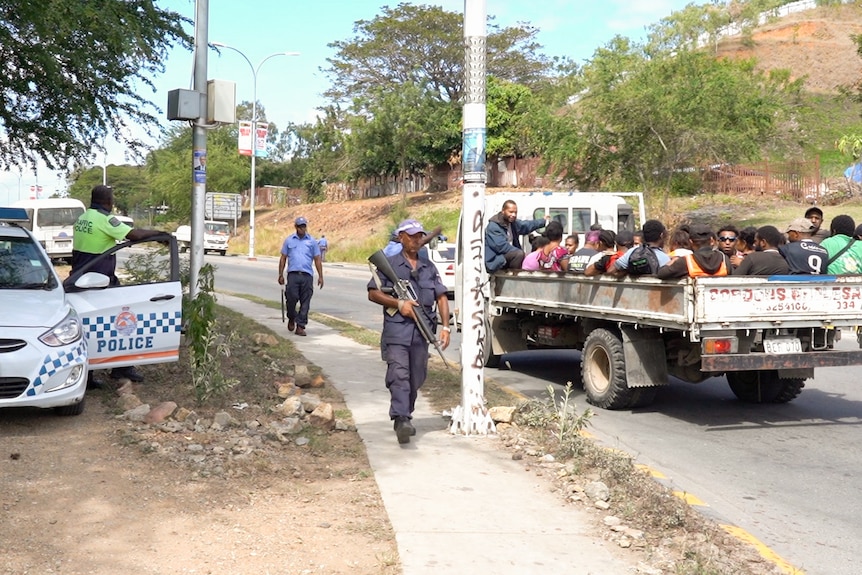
205 342
640 119
73 72
423 45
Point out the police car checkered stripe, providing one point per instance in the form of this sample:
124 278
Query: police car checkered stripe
158 322
55 362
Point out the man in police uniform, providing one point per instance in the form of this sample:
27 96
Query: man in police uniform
405 348
96 231
299 251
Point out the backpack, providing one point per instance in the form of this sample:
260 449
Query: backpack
642 262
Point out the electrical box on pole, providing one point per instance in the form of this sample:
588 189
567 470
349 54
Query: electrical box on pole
221 101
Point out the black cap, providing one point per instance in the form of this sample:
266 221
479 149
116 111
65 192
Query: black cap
813 210
700 232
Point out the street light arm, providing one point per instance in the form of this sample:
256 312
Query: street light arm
254 71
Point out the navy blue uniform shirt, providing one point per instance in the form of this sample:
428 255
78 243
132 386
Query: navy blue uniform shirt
398 329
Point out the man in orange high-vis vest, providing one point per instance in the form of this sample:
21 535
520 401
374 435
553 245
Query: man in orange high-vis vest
705 261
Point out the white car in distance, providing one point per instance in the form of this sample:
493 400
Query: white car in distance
442 254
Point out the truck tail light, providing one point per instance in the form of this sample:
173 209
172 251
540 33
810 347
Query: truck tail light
720 345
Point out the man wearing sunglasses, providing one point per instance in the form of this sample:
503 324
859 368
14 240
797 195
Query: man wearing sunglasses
727 236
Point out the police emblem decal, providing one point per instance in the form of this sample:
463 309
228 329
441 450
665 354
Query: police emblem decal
126 322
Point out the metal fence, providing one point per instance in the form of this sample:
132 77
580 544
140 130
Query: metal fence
798 180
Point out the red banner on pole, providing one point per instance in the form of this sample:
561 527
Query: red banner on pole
245 138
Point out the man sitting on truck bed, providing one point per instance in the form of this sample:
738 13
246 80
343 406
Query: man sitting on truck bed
654 233
503 238
766 260
705 261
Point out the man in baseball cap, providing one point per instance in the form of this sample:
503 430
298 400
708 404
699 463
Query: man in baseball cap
704 261
410 227
815 214
801 225
802 253
402 341
299 251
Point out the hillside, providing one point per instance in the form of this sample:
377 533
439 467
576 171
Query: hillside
815 44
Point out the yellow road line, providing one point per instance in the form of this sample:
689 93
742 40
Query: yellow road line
764 551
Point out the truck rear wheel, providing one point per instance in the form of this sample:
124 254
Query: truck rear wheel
603 370
764 386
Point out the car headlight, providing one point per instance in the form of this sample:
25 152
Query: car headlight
65 332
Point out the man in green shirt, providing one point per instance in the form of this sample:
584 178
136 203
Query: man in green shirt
845 252
96 231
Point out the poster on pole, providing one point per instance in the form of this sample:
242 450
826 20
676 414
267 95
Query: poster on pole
473 155
260 133
199 166
245 138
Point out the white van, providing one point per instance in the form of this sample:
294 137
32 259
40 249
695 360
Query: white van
52 222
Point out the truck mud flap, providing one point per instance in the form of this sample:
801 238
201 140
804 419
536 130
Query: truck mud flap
646 362
760 361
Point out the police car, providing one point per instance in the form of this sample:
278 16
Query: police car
52 332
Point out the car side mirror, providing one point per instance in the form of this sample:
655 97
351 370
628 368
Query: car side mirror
93 280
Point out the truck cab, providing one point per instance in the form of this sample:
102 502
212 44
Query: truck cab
216 236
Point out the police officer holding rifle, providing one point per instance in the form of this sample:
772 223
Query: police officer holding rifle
409 321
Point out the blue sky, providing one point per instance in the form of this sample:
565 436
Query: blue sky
290 87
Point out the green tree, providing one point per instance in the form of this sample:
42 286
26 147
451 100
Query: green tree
644 121
169 167
319 149
423 46
131 185
511 119
403 132
74 72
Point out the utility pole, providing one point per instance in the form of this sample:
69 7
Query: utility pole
199 148
472 417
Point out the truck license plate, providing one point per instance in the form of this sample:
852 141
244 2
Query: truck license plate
782 345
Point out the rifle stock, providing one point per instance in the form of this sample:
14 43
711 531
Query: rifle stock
404 291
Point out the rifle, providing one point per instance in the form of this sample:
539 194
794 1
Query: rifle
282 305
403 290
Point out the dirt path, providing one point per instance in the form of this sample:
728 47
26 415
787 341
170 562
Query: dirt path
79 498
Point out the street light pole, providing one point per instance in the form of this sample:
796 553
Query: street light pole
254 72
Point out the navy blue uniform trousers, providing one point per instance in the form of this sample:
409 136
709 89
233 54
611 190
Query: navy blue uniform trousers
300 287
407 368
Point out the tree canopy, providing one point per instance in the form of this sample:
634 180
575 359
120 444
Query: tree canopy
644 120
424 46
73 71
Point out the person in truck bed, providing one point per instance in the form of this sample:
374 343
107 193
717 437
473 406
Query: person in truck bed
766 260
503 238
705 261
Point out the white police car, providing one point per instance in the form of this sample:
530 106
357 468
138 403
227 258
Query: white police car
51 334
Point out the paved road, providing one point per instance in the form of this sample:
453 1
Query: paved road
784 473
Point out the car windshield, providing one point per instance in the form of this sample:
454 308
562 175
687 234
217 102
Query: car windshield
22 266
213 228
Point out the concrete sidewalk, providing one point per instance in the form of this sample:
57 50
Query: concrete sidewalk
458 505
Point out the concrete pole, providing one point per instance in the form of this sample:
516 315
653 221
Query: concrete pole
471 417
199 147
